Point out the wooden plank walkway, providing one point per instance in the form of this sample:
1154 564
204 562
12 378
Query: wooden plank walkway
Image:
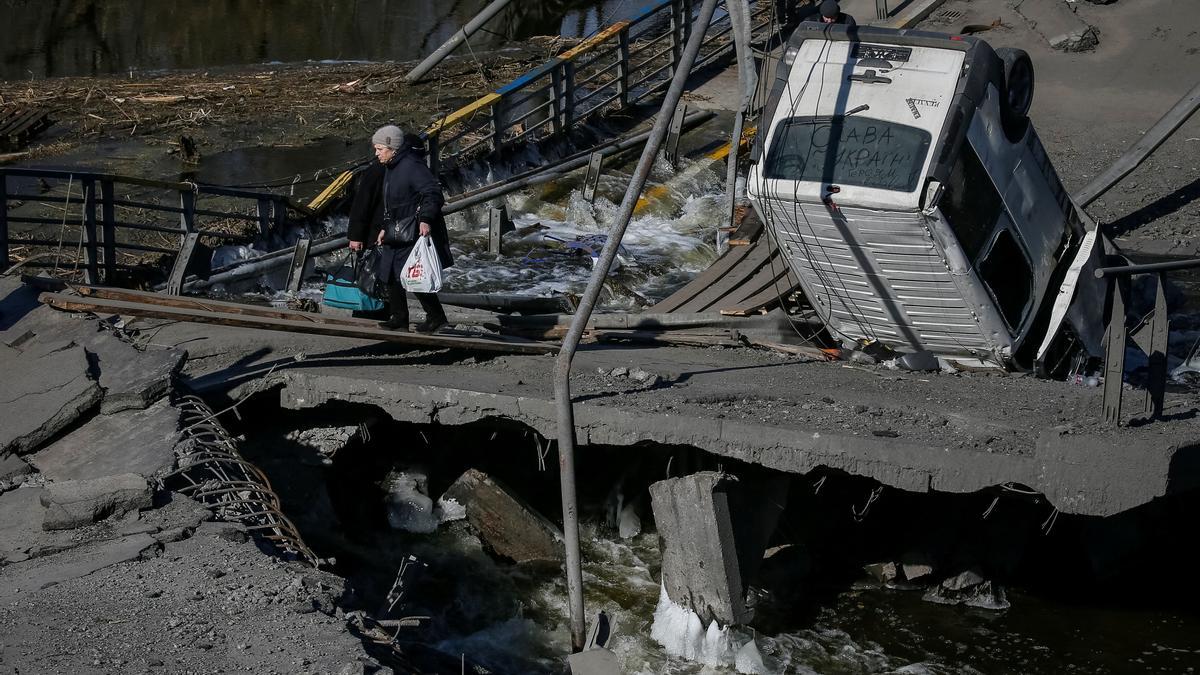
750 278
197 310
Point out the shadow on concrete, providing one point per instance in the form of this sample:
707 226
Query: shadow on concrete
19 302
1159 208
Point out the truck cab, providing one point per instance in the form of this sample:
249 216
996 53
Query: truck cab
899 173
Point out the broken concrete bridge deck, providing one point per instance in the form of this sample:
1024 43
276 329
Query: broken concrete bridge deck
914 431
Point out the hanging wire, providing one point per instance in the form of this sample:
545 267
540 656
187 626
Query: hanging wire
860 514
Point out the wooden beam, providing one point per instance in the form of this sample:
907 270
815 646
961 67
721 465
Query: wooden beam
499 344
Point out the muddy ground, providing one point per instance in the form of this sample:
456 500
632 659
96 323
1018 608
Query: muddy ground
279 105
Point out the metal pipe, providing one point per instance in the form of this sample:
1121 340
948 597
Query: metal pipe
739 22
1127 270
562 366
455 40
1150 141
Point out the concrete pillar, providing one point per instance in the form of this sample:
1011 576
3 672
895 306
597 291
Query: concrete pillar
699 555
713 530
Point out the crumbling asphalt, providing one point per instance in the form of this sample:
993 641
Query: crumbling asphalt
957 432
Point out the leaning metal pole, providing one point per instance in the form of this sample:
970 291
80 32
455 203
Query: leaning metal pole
562 367
739 21
455 40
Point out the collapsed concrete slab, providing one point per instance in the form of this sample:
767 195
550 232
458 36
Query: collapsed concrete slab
45 389
505 522
133 441
1058 24
1088 470
73 503
132 378
700 568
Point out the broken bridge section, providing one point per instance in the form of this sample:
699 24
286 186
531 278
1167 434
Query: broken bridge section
919 432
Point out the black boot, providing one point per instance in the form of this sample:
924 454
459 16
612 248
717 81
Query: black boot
435 316
398 300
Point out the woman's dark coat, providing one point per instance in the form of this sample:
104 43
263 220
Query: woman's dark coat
411 189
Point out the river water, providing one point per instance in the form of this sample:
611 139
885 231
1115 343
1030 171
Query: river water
54 38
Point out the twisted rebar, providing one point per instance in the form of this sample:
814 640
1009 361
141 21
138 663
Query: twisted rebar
213 472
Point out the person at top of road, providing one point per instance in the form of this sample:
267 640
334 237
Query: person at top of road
831 12
397 186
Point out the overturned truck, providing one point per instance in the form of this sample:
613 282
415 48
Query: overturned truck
901 176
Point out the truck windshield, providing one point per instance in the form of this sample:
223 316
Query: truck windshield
848 151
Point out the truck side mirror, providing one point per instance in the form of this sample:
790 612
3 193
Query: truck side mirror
932 195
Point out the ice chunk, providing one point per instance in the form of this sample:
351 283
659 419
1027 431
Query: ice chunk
408 508
681 633
748 660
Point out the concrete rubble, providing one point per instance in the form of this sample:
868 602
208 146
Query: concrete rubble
87 531
72 503
46 389
131 441
971 589
409 506
505 523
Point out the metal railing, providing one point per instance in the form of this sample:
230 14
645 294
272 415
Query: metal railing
1151 335
100 225
622 65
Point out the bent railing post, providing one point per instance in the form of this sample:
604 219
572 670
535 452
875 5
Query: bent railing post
4 223
92 243
1114 356
562 366
108 227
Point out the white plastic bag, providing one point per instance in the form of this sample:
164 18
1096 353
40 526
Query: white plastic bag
422 272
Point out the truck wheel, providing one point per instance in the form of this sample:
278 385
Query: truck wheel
1018 80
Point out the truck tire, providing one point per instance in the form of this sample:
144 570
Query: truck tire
1018 80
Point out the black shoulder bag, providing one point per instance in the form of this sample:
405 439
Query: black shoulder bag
397 231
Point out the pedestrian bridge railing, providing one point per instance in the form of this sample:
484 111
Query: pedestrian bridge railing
101 227
622 65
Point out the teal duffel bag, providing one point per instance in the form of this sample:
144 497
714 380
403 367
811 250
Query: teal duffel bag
342 291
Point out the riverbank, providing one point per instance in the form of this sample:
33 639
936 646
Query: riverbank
100 119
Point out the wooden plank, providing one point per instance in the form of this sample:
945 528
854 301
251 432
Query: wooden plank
498 344
215 306
767 276
712 294
766 299
709 276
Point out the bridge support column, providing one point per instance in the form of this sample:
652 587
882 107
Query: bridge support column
713 530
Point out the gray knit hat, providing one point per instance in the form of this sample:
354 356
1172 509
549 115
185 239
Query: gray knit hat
390 135
830 9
